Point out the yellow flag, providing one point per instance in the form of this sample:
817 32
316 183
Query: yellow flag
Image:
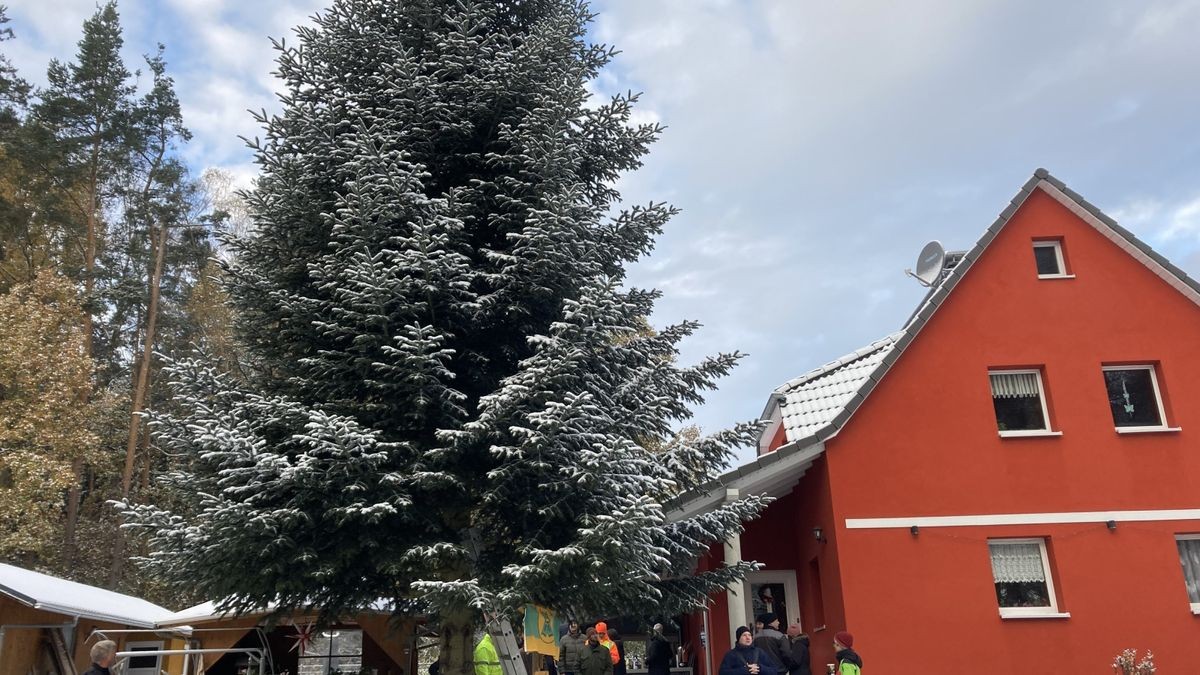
541 630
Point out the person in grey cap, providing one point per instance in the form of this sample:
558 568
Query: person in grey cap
658 652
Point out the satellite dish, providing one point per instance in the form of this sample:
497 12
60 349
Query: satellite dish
929 263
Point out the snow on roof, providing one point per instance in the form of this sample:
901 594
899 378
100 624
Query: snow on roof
204 611
42 591
207 611
812 401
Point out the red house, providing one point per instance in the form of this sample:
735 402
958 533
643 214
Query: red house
1009 484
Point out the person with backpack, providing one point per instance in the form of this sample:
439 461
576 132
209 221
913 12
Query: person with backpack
745 658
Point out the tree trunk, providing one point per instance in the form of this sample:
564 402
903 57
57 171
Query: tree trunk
89 285
144 451
139 392
456 641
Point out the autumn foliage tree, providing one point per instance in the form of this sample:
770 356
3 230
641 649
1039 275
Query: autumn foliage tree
44 373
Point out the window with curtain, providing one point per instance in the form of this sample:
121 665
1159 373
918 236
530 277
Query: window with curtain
1018 401
1021 573
1133 396
1189 557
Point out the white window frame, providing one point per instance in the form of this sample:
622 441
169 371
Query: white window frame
1029 612
1162 413
1046 429
785 577
1058 256
1189 537
145 645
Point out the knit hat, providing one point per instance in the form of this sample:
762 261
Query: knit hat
738 634
844 638
768 618
601 627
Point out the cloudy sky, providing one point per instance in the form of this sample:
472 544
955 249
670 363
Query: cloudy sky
813 147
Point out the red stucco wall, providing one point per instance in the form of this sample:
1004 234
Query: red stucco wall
925 443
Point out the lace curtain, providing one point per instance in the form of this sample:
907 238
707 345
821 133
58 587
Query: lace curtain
1017 562
1014 385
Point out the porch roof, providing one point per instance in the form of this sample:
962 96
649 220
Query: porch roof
73 599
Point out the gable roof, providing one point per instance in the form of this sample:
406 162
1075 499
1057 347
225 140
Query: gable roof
817 405
45 592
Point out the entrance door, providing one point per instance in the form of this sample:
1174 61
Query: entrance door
772 591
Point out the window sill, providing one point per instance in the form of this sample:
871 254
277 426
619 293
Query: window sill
1039 433
1196 609
1048 615
1148 430
1056 276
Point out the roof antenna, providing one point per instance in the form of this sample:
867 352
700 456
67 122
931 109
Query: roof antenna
930 263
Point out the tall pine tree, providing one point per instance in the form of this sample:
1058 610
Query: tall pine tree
432 299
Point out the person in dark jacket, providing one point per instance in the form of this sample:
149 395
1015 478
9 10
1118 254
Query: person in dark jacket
798 647
571 649
774 643
848 660
745 658
104 656
595 658
658 653
619 667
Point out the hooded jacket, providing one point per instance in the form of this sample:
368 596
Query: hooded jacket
571 652
849 662
487 661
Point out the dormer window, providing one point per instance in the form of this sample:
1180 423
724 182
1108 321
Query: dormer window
1049 258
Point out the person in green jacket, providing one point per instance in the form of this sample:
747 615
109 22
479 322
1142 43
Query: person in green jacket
596 658
487 661
848 660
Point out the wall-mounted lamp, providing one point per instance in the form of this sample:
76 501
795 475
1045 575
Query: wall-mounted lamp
1111 525
817 534
914 530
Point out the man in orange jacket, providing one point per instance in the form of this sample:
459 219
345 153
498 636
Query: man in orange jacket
602 631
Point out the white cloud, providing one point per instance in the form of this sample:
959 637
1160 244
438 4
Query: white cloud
813 147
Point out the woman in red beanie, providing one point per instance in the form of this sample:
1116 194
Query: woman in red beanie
848 660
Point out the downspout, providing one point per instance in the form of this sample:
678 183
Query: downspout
708 638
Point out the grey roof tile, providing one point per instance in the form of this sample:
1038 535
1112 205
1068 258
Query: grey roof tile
813 400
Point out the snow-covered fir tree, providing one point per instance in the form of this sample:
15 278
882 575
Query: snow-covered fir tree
432 299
